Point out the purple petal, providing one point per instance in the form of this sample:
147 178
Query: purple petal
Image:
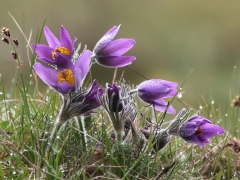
95 89
78 78
65 39
198 120
156 88
210 130
64 88
160 105
118 47
51 39
106 39
47 75
113 61
83 63
194 139
203 140
43 52
188 129
63 62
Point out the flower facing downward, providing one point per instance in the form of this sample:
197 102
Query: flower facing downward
66 77
114 95
64 47
83 103
109 53
152 91
198 130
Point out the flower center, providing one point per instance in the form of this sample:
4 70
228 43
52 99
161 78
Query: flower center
66 76
62 50
198 132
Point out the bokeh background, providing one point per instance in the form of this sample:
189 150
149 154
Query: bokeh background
172 37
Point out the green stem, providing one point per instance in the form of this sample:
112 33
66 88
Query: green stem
61 119
83 131
119 136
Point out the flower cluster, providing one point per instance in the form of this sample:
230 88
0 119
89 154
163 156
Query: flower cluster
64 70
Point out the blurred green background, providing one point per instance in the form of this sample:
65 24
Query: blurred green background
172 38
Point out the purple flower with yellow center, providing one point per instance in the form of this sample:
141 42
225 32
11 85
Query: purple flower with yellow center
114 98
66 77
198 130
64 47
109 53
152 91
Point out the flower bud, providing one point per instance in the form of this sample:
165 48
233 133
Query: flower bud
114 98
161 140
160 137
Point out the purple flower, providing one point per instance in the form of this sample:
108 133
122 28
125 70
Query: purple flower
83 103
66 76
48 53
109 53
114 95
152 91
198 130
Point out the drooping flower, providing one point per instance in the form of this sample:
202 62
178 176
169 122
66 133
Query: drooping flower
114 95
198 130
152 91
109 53
83 103
66 77
64 47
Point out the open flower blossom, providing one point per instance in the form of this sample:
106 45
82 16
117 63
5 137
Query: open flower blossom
152 91
109 53
48 53
114 95
66 77
198 130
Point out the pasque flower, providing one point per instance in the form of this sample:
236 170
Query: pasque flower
152 91
114 98
198 130
48 53
65 77
109 53
83 103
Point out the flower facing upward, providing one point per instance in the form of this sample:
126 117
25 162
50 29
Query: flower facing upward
114 95
152 91
198 130
109 53
67 76
48 53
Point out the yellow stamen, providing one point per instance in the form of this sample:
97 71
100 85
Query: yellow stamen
66 76
62 50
